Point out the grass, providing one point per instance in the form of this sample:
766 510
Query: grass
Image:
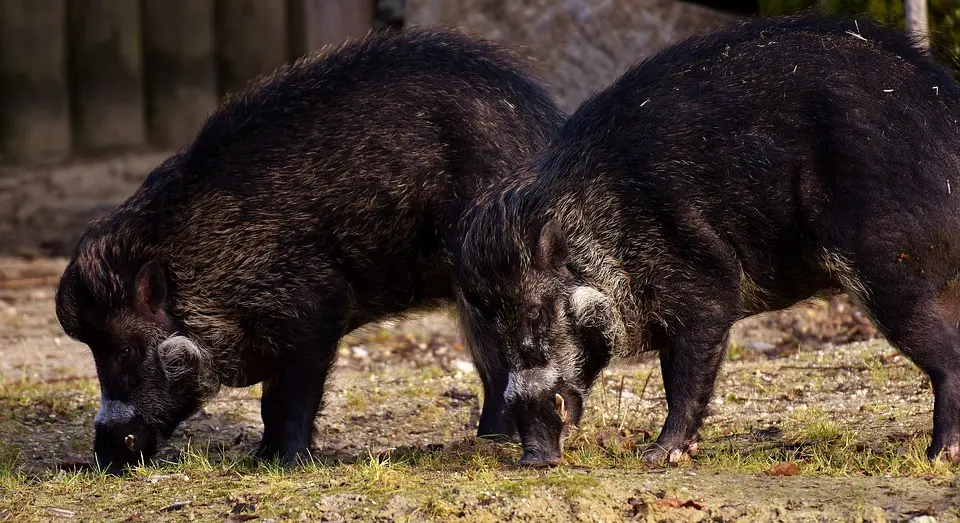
212 484
810 414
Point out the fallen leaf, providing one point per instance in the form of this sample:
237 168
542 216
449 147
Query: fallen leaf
638 507
677 503
136 516
177 505
784 469
61 512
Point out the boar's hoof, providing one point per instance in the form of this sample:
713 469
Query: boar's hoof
501 431
949 453
535 461
266 452
657 455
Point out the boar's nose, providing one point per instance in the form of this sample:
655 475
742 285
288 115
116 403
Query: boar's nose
113 413
121 437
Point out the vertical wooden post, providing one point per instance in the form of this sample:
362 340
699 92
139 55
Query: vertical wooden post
316 23
106 74
251 40
34 107
917 24
179 68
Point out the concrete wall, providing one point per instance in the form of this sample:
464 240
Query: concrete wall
581 45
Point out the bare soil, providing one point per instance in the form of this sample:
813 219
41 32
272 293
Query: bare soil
814 419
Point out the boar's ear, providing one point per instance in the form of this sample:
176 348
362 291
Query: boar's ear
552 246
151 288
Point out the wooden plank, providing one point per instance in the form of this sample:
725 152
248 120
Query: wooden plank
252 40
179 68
106 74
316 23
388 14
34 107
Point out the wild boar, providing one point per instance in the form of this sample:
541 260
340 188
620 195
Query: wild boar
734 172
320 198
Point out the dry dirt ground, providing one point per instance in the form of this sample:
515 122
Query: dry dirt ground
814 420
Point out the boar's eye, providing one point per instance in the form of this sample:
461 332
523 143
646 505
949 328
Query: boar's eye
533 314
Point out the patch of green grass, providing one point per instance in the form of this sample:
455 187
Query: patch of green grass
382 336
512 487
364 398
431 373
825 449
438 508
9 458
739 352
811 424
571 484
379 475
27 401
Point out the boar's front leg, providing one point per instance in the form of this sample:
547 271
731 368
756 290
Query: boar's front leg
493 423
271 412
694 344
292 400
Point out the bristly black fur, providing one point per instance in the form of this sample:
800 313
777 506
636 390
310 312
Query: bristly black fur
322 197
734 172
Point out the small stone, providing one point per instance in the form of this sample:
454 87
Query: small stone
61 512
761 346
463 366
459 395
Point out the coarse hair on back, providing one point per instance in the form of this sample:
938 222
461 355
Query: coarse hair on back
356 68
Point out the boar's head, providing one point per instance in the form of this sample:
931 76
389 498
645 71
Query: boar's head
151 378
519 295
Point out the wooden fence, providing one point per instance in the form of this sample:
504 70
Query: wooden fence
94 76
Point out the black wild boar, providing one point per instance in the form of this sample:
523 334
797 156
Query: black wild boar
321 198
738 171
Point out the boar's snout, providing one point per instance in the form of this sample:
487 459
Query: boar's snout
539 458
121 437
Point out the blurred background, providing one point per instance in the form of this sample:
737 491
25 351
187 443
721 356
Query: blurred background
95 93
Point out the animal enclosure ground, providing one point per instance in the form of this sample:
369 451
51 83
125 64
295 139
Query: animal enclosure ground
800 430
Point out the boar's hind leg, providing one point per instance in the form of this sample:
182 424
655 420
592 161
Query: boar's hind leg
692 348
919 326
292 399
